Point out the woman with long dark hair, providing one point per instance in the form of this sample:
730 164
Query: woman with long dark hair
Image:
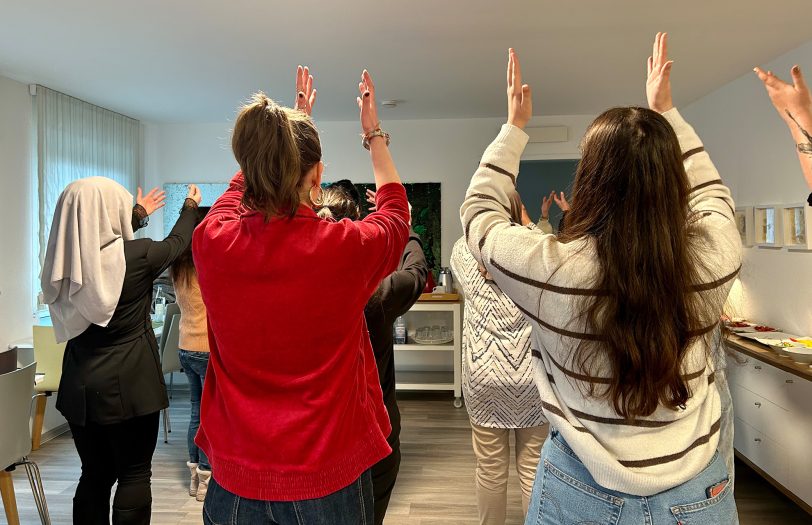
623 305
292 415
97 281
193 353
394 297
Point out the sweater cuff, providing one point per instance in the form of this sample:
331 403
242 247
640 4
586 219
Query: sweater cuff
688 139
506 149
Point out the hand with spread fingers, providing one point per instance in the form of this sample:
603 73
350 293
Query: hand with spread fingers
658 82
371 200
790 100
794 103
152 201
520 99
305 94
561 201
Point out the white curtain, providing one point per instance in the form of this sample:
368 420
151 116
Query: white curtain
76 139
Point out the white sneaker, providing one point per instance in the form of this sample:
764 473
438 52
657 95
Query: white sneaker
203 477
195 482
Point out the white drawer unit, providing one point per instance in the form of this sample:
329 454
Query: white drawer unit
430 313
772 404
761 450
763 415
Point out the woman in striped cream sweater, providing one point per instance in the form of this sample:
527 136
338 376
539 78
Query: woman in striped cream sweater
623 305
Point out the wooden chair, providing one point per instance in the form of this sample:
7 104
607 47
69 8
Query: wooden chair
15 441
48 355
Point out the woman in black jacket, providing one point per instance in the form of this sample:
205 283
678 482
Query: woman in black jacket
97 281
394 297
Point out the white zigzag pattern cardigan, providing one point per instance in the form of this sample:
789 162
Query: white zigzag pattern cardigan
497 367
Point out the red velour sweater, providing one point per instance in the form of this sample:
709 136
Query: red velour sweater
292 407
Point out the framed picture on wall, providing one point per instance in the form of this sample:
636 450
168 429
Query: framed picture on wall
744 223
797 222
767 221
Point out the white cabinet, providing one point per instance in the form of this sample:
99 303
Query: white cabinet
428 314
773 422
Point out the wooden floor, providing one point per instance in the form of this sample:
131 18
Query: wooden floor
435 485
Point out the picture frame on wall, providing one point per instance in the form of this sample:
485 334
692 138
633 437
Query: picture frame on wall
745 225
797 221
767 231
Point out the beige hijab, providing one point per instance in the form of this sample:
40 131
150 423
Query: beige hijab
84 266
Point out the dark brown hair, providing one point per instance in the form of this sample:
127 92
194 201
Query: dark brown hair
183 268
631 196
275 147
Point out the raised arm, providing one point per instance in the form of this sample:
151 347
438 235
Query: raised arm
794 104
708 192
385 231
375 139
163 253
146 205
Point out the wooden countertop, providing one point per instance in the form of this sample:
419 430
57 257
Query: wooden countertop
764 353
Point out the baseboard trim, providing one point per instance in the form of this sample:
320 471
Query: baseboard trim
55 432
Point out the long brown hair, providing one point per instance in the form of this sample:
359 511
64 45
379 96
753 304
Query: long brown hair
183 268
631 196
275 147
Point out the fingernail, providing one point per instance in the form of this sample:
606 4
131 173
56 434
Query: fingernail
301 95
796 69
366 94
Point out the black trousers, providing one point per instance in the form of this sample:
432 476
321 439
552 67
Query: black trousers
120 452
384 475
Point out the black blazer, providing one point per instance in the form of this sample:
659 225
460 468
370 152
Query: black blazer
393 298
113 373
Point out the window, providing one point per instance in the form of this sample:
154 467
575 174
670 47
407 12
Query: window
76 139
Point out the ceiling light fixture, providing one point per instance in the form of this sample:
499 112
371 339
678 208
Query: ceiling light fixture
390 103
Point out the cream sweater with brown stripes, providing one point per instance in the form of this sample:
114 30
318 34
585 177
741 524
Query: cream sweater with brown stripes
547 280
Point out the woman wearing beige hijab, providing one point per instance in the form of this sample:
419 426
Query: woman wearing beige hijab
97 281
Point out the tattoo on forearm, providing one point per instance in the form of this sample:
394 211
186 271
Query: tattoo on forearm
805 148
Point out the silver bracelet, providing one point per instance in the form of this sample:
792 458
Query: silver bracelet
366 137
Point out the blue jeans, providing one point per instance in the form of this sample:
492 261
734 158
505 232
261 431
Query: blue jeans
194 364
351 505
565 493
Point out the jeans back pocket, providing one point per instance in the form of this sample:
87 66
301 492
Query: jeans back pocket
718 510
568 500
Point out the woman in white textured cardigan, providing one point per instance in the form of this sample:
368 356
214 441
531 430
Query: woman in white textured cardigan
623 305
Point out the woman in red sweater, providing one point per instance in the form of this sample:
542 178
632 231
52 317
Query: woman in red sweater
292 416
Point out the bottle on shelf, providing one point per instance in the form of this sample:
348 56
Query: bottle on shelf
160 305
400 331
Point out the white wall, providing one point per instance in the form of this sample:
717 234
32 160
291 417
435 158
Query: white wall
755 155
445 151
16 235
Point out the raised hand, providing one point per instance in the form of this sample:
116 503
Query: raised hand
194 194
152 201
520 100
658 82
371 200
546 203
366 103
790 100
305 94
525 216
561 201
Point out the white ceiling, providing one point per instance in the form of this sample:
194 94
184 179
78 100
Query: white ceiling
195 60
